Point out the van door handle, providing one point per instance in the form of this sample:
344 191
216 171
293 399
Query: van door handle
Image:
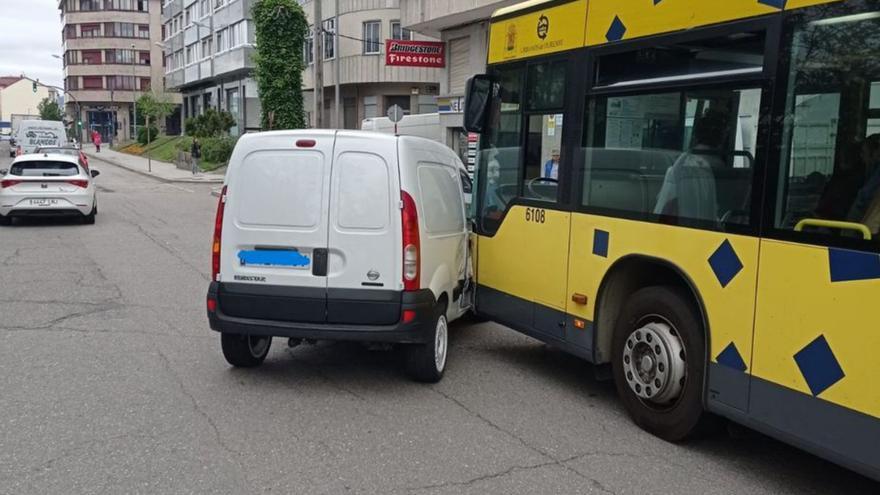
319 262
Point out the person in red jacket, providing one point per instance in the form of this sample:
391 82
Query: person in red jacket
96 138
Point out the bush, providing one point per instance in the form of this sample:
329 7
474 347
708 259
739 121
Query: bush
217 150
142 134
211 123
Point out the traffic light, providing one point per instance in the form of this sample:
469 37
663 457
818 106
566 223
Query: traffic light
35 86
79 123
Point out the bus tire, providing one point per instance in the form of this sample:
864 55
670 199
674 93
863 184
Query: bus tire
658 361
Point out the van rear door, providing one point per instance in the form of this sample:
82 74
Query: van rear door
273 254
364 280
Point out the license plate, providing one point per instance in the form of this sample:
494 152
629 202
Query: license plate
43 202
281 258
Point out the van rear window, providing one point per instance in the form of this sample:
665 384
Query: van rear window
44 169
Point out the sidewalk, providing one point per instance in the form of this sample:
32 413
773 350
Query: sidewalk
163 171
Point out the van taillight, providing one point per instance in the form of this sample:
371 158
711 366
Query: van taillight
218 231
411 245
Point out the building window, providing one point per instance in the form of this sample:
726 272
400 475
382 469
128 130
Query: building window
206 48
309 47
71 83
371 37
329 39
89 5
371 107
120 56
205 7
190 53
220 44
120 82
144 58
93 82
70 31
91 57
238 34
399 33
90 31
188 14
143 31
145 84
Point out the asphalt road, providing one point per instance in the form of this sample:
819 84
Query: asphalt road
112 382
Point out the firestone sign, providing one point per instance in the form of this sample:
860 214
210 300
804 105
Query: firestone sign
415 53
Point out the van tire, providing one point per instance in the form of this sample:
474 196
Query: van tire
673 411
245 351
427 362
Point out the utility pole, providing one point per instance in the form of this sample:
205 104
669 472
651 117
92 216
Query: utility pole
134 103
318 78
336 97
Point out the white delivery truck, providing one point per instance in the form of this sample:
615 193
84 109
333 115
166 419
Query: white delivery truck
340 235
33 134
426 125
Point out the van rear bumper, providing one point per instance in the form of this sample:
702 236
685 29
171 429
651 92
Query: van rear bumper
416 331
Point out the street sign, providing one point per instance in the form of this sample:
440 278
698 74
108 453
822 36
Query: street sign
395 113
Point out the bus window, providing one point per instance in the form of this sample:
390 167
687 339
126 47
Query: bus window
674 157
543 156
499 157
830 163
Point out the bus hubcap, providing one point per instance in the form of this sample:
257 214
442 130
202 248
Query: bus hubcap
654 363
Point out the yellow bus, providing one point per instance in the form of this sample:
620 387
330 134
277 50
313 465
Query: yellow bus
687 193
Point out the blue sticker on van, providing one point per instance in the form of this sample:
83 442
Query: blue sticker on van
273 258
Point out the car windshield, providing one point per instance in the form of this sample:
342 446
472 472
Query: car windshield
44 169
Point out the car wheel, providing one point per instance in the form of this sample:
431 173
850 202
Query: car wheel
90 218
659 364
245 351
427 362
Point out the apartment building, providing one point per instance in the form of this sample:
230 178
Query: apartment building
208 48
463 25
111 57
355 60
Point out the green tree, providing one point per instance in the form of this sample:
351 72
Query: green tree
281 28
154 107
209 123
49 110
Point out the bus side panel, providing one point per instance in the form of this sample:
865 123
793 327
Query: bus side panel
721 267
613 20
815 336
527 259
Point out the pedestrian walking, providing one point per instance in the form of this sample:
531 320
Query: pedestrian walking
96 138
196 154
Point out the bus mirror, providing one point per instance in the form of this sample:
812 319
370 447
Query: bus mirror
477 102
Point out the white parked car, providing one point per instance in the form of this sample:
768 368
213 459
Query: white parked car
340 235
47 185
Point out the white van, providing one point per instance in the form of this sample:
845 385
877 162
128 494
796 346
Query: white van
33 134
340 235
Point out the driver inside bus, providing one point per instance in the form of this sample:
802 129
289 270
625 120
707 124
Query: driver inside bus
551 167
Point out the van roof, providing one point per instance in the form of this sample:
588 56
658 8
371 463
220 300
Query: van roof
294 133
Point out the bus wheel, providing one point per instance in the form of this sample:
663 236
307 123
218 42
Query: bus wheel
658 362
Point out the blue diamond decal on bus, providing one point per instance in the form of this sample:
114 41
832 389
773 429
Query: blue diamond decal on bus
731 358
779 4
818 365
600 243
616 30
846 265
725 263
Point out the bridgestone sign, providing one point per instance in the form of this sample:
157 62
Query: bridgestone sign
415 53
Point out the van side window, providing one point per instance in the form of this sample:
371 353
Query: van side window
442 204
467 185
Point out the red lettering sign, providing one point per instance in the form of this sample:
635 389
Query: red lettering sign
415 53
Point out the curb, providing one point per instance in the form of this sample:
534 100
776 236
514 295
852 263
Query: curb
218 180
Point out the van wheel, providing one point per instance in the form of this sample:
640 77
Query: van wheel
427 362
245 351
658 361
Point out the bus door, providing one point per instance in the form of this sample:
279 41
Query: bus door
815 366
523 244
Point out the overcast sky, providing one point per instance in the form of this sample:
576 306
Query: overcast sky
30 33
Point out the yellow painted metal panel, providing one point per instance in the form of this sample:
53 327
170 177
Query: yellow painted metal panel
730 309
613 20
527 259
797 303
546 31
